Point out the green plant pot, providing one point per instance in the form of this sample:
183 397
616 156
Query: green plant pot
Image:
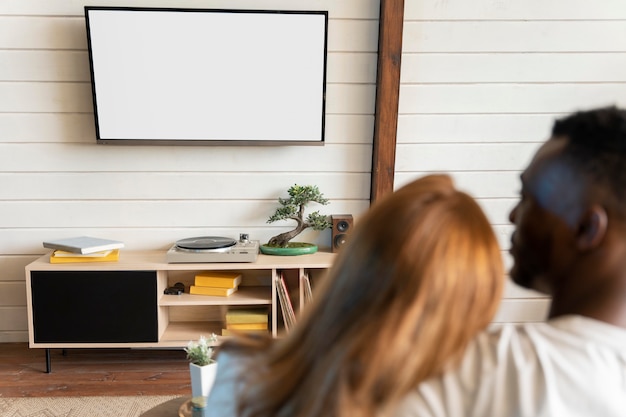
300 249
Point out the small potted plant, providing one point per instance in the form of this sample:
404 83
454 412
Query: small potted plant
202 365
292 208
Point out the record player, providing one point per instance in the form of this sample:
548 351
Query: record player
208 249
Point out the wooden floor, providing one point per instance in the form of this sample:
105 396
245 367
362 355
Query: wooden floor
91 372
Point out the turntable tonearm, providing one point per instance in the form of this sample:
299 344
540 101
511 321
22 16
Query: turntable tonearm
211 249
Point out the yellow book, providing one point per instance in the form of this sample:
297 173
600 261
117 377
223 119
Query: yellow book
226 332
62 257
246 326
220 292
247 315
218 279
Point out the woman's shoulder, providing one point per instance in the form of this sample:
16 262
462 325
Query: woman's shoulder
228 382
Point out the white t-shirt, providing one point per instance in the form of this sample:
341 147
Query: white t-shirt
570 366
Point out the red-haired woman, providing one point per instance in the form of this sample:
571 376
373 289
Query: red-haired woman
420 276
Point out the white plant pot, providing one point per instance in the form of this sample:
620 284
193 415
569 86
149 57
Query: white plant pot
202 378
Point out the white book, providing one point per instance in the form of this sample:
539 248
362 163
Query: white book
83 244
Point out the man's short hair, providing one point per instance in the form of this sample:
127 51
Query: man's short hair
597 151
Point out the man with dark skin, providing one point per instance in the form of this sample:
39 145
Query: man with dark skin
563 244
569 242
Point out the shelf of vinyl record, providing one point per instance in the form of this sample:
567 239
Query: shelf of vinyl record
294 291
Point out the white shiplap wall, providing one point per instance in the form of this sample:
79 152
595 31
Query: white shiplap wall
56 182
481 84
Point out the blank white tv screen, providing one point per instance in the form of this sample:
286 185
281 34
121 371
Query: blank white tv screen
207 76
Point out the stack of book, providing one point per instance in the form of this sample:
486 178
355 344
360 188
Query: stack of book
83 249
246 320
221 284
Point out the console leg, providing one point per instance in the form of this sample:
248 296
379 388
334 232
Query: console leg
48 370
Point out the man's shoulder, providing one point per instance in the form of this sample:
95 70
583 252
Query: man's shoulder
515 367
573 332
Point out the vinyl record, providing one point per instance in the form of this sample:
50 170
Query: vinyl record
205 242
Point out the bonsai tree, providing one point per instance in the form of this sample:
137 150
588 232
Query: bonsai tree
293 208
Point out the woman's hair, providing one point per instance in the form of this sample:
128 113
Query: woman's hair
420 275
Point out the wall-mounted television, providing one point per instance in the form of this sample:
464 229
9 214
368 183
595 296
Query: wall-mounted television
207 76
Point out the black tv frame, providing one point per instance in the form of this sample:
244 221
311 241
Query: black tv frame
315 123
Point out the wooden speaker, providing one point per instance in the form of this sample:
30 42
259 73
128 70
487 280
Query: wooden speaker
342 226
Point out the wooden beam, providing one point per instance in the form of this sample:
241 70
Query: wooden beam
387 97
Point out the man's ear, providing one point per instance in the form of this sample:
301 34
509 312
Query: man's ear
592 228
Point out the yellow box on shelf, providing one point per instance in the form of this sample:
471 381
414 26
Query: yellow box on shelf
227 332
246 326
247 315
218 279
220 292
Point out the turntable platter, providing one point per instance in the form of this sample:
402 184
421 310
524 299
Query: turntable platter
213 249
205 242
